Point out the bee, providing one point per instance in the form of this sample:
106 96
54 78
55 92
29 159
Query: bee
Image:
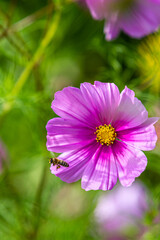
59 163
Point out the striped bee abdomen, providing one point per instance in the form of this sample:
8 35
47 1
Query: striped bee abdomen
63 163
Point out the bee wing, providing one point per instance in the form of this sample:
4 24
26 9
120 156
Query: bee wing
53 155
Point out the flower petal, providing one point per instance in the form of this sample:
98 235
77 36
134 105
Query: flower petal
130 113
70 104
77 160
143 137
97 8
101 171
142 19
112 28
110 98
93 100
103 98
130 162
63 135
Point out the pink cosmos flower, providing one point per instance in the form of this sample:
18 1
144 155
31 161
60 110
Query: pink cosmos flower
137 18
101 133
122 208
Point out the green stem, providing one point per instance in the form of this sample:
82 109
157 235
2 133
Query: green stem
37 206
45 41
38 54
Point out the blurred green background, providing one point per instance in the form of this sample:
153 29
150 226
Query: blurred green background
45 46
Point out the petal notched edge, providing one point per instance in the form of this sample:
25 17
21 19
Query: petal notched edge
131 162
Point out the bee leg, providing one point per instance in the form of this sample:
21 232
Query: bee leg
58 166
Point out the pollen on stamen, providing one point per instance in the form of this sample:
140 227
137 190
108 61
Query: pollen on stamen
106 134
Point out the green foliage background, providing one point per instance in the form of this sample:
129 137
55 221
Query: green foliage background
44 46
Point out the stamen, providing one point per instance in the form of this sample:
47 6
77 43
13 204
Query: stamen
105 134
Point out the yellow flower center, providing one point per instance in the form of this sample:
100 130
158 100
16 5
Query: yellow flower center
105 134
